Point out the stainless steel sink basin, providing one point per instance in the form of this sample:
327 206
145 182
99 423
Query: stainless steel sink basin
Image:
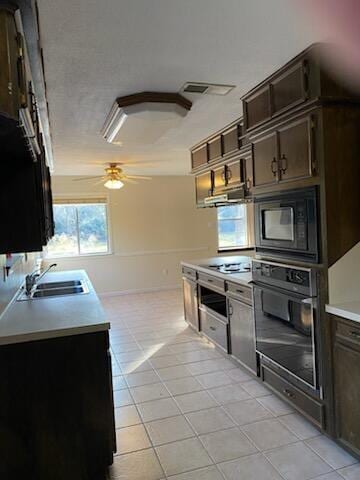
56 289
51 285
57 292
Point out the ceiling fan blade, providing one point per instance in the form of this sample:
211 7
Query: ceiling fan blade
86 178
139 177
128 180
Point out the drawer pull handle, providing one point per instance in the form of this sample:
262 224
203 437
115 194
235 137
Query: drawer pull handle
288 393
209 280
240 291
355 334
213 328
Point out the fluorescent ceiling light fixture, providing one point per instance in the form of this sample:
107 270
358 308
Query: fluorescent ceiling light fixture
113 184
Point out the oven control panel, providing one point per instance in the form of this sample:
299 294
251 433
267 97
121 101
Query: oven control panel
285 276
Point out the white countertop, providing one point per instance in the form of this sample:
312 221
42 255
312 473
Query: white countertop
202 266
349 310
43 318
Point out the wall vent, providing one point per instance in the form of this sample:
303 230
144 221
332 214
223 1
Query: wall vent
206 88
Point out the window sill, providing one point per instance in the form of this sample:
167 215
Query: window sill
73 257
235 249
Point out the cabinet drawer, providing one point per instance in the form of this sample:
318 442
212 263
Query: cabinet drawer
240 292
189 272
214 329
210 281
199 157
231 140
348 331
309 406
215 150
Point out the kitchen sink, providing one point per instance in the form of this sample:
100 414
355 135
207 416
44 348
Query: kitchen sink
56 289
51 285
57 292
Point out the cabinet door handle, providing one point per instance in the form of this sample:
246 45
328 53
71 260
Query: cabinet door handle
284 165
213 328
248 184
288 393
274 171
231 310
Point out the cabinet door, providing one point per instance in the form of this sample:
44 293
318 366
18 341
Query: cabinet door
230 140
235 173
215 150
295 157
265 166
257 107
203 187
347 394
242 333
191 303
9 88
290 88
199 156
219 179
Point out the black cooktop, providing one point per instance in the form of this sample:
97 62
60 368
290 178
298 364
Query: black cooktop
231 267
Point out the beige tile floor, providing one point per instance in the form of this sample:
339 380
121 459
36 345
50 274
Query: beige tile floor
186 412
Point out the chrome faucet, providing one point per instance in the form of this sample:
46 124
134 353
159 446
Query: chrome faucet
32 279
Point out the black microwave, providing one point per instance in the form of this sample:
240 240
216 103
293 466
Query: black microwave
286 225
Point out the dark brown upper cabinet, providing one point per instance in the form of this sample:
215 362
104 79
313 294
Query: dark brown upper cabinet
230 140
203 187
199 157
265 164
11 71
215 149
295 150
290 88
257 107
234 173
219 178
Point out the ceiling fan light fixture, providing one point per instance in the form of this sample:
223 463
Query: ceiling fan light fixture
113 184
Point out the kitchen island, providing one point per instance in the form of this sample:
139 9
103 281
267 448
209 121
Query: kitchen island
56 401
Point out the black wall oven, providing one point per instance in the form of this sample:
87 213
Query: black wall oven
286 225
285 305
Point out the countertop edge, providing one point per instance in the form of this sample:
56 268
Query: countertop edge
344 312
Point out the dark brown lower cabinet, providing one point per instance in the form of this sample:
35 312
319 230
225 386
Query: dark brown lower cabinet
347 383
242 333
191 302
56 409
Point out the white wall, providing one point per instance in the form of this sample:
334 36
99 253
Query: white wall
154 225
344 277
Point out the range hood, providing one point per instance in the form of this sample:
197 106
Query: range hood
233 196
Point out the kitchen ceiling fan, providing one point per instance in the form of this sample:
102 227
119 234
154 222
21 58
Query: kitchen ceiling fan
114 177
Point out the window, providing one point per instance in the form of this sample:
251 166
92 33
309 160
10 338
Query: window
232 227
80 228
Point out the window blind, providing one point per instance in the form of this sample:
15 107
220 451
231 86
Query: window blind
77 200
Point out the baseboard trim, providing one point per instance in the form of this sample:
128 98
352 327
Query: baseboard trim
138 290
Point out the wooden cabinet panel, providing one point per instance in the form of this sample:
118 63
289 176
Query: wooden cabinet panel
257 107
295 150
9 55
203 187
215 149
265 166
199 157
290 88
191 303
347 383
242 333
235 173
230 140
214 329
241 292
219 179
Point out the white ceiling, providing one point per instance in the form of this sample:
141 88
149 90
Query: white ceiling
95 51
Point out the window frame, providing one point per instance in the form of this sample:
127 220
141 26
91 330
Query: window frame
66 200
235 248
